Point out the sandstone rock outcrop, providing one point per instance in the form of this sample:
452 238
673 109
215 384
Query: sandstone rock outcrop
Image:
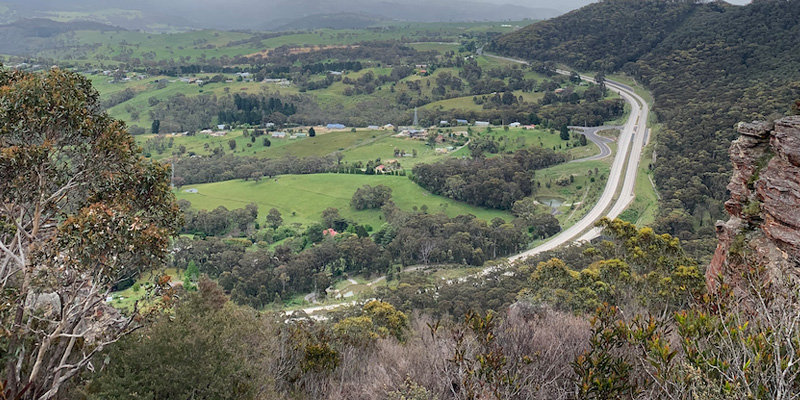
764 227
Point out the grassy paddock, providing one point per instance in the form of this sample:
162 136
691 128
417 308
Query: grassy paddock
126 299
362 145
302 198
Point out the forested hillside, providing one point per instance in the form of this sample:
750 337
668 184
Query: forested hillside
708 66
602 36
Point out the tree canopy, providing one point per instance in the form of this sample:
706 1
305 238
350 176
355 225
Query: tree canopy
80 210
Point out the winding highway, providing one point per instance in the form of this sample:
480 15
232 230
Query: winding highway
613 201
623 170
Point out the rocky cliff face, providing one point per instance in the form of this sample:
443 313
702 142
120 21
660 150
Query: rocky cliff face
764 228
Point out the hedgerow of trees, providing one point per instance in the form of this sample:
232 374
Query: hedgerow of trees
371 197
495 182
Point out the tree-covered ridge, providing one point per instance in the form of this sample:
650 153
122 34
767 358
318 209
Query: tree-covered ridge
725 65
602 36
719 65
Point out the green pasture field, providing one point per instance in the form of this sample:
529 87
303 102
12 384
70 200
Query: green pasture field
302 198
333 96
391 30
97 46
125 299
491 62
467 104
325 37
375 70
457 103
102 46
196 144
537 76
455 28
145 89
362 145
520 138
327 98
441 47
324 144
384 149
586 151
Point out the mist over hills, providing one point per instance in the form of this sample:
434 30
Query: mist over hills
270 14
342 20
404 10
31 35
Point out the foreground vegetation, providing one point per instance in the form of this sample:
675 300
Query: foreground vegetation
81 209
407 345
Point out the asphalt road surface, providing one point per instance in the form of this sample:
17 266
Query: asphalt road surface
623 170
601 141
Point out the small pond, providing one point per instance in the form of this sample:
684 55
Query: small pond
553 202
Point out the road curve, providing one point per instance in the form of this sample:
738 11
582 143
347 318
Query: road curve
600 141
627 194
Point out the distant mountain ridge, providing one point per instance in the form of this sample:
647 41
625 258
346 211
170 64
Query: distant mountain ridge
265 14
333 21
601 36
43 27
432 11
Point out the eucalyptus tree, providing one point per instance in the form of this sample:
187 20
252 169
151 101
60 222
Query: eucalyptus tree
80 209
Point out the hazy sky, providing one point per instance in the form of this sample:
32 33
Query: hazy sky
567 4
563 5
267 14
